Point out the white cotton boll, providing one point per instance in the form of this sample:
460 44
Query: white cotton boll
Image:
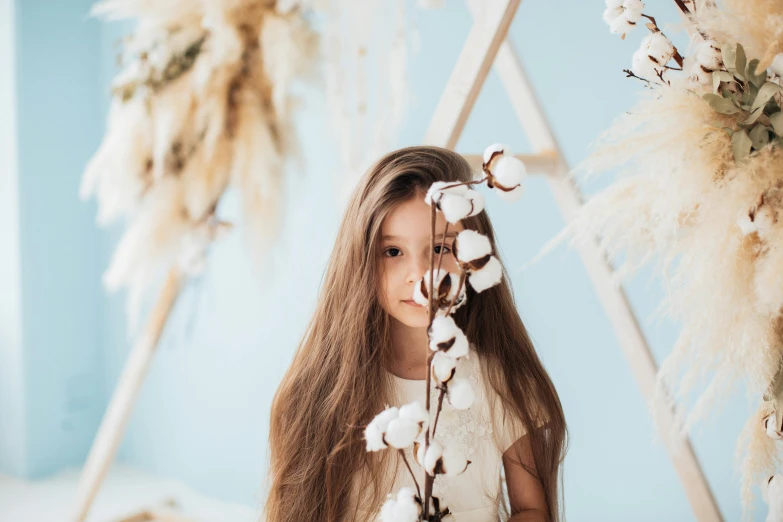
455 208
389 510
774 498
659 47
509 172
460 394
612 13
770 426
408 508
401 433
643 66
443 367
446 336
454 461
633 10
614 4
375 431
697 76
374 438
489 275
477 200
432 457
621 25
463 295
472 245
415 413
437 189
418 295
404 508
495 147
708 54
418 450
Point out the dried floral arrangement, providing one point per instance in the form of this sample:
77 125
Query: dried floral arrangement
443 293
203 102
698 188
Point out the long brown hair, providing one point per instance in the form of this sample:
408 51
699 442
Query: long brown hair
337 382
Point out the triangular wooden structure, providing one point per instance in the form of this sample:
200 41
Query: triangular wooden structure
486 45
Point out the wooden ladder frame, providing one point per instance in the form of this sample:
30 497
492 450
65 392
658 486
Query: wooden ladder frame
486 45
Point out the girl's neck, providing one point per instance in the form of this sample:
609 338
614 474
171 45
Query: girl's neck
409 351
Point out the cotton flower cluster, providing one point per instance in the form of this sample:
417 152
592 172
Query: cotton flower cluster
396 427
650 59
622 15
409 425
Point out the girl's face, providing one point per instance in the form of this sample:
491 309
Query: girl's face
404 257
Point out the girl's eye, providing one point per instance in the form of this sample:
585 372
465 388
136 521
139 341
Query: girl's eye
446 249
392 252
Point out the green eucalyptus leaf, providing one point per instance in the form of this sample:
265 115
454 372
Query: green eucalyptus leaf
756 79
740 145
753 90
759 136
720 76
720 104
728 130
765 94
777 123
750 120
740 62
729 53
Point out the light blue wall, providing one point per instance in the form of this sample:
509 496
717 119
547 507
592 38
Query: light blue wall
12 434
203 414
58 374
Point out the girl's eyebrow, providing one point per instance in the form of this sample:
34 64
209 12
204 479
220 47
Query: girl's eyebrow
450 234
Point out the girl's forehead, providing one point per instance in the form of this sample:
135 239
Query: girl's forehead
412 220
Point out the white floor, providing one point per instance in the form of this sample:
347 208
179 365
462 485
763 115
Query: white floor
125 492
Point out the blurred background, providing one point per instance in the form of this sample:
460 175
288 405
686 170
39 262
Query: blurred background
199 429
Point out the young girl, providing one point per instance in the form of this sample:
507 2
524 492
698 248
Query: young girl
366 348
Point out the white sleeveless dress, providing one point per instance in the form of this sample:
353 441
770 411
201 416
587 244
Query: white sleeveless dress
481 432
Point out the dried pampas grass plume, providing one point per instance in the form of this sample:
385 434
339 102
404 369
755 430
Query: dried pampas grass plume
203 103
698 190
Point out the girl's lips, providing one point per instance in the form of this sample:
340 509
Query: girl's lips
411 302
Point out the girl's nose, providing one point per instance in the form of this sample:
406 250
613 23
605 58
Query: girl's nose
418 266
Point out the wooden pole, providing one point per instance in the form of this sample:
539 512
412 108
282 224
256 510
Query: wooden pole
117 414
487 33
